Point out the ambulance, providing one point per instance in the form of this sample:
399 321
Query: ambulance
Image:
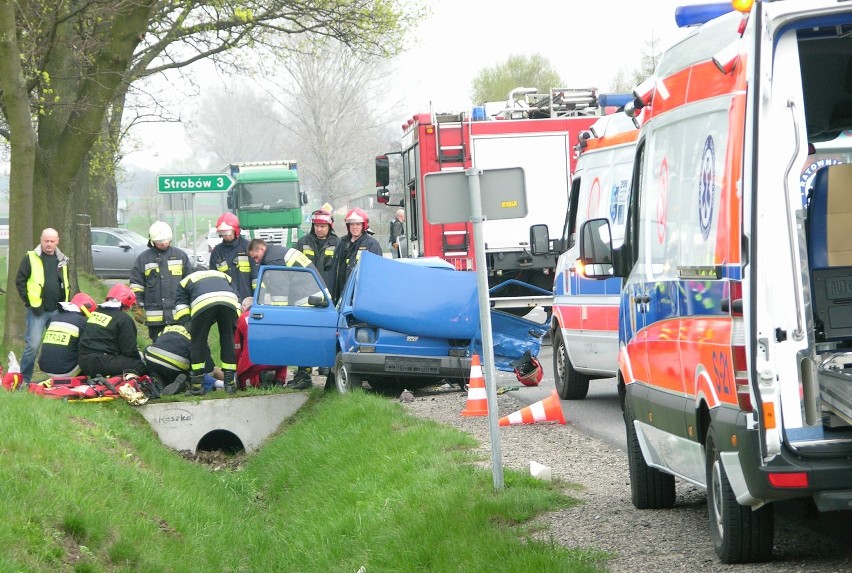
584 325
735 314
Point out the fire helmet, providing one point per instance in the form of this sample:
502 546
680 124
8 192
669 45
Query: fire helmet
122 294
322 217
528 370
84 302
357 215
227 223
159 231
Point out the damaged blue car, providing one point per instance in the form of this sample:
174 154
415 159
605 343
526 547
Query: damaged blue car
399 322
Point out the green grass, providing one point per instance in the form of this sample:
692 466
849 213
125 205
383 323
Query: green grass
351 481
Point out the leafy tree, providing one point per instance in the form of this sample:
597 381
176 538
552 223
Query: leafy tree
78 61
495 83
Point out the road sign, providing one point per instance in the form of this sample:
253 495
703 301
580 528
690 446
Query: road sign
197 183
504 195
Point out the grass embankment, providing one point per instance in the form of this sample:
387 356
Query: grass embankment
353 481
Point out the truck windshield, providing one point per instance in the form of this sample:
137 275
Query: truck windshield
267 196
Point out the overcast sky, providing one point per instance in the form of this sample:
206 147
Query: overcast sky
587 42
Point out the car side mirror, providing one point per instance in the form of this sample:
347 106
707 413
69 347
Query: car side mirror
303 197
382 171
124 246
383 196
596 249
317 300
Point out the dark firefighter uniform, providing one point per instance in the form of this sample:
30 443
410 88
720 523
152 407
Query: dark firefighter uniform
320 252
169 355
205 298
108 344
60 347
233 260
154 279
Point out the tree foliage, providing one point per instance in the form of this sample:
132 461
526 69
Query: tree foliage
495 83
79 60
625 80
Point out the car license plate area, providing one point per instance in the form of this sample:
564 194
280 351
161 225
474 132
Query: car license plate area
403 365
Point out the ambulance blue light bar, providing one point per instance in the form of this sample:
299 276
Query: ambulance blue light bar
698 14
614 100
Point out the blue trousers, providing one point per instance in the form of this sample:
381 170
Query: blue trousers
36 325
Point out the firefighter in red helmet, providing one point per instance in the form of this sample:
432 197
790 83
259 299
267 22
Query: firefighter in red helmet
108 344
231 256
348 252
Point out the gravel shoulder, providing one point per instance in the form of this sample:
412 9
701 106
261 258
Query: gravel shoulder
676 539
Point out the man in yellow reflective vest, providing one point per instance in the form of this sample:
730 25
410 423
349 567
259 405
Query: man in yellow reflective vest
42 282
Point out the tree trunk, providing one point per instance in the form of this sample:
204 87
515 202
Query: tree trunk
17 111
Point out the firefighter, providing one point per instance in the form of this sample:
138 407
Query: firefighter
349 249
231 256
205 298
155 276
318 246
108 343
168 356
60 348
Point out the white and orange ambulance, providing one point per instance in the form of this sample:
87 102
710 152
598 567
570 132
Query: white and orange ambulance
735 319
584 325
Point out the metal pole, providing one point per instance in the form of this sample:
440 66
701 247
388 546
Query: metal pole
476 219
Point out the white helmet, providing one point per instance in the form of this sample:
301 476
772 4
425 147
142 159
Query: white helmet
160 231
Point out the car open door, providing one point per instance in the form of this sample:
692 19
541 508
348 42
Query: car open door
292 321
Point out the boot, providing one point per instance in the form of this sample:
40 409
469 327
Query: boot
302 379
228 381
196 385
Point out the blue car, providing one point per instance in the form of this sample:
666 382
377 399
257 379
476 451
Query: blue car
399 322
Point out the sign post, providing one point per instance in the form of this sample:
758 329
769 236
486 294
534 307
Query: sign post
491 194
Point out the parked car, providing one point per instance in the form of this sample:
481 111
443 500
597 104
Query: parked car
399 322
114 250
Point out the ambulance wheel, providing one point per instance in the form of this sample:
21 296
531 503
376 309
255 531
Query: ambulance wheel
740 534
650 488
570 384
343 378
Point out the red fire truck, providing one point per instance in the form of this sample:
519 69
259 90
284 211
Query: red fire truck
530 130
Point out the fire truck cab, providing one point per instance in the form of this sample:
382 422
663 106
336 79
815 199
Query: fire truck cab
530 130
735 315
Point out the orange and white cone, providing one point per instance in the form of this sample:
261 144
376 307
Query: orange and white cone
477 399
547 410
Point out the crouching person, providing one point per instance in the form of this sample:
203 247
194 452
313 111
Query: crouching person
60 348
205 298
167 358
108 344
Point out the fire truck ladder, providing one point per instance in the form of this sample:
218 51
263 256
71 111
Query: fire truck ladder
456 154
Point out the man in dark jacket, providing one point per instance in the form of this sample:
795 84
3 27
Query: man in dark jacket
397 229
349 249
205 298
319 244
155 276
231 256
108 344
42 283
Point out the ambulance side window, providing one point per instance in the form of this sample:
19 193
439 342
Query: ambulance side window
569 233
631 231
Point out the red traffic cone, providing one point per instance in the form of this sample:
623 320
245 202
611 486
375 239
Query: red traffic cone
477 399
547 410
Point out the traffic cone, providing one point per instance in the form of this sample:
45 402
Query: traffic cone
477 399
547 410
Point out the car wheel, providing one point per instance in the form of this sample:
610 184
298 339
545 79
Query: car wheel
570 384
343 378
740 534
650 488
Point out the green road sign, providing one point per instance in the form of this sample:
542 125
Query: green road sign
197 183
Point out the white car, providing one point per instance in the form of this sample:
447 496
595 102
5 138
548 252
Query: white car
213 239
